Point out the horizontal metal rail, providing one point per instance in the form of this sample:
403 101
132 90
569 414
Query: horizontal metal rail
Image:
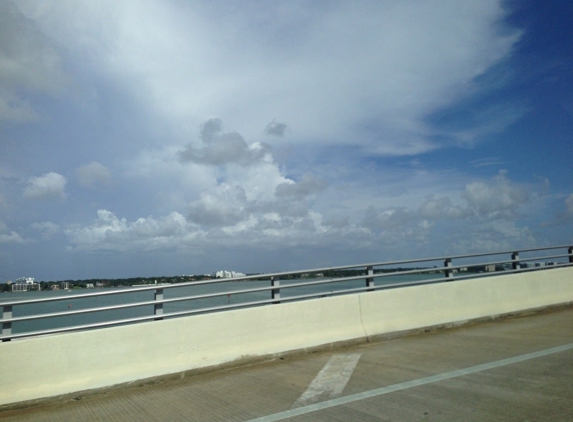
316 270
447 272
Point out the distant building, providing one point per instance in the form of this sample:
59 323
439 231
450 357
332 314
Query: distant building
25 280
24 284
228 274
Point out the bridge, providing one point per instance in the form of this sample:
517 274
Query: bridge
301 334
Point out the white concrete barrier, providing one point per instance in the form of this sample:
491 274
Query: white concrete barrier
388 311
64 363
60 364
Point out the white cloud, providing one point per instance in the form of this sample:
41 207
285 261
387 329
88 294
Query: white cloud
160 172
247 208
495 199
7 236
350 77
436 208
48 186
250 199
11 237
340 73
47 229
93 174
226 207
308 185
226 217
111 233
393 219
223 148
495 235
489 161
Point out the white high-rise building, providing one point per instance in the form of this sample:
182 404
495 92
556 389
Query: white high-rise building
23 284
25 280
228 274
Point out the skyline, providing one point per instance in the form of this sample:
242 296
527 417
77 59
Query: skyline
171 137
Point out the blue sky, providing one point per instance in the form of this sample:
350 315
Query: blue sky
175 137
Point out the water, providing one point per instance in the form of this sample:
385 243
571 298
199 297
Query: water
131 295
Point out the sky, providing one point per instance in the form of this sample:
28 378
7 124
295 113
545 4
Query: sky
171 137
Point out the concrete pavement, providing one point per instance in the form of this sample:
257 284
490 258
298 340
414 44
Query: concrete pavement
515 369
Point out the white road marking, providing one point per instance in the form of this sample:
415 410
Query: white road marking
409 384
330 381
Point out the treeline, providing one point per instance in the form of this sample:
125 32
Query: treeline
123 282
99 282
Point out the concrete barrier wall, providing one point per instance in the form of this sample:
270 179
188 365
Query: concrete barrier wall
60 364
388 311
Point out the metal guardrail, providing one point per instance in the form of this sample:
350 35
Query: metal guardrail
370 278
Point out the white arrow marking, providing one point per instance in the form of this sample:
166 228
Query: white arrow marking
330 381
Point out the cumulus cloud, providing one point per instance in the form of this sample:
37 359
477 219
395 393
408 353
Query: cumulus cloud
261 200
437 208
48 186
486 212
494 235
308 185
47 230
9 236
415 220
109 232
221 148
389 219
276 129
241 213
93 174
226 207
497 198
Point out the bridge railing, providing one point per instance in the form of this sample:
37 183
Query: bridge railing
43 316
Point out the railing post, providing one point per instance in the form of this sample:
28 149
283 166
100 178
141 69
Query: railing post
158 307
447 264
369 279
276 292
570 252
6 326
515 261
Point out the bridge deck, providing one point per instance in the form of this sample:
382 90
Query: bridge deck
515 369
